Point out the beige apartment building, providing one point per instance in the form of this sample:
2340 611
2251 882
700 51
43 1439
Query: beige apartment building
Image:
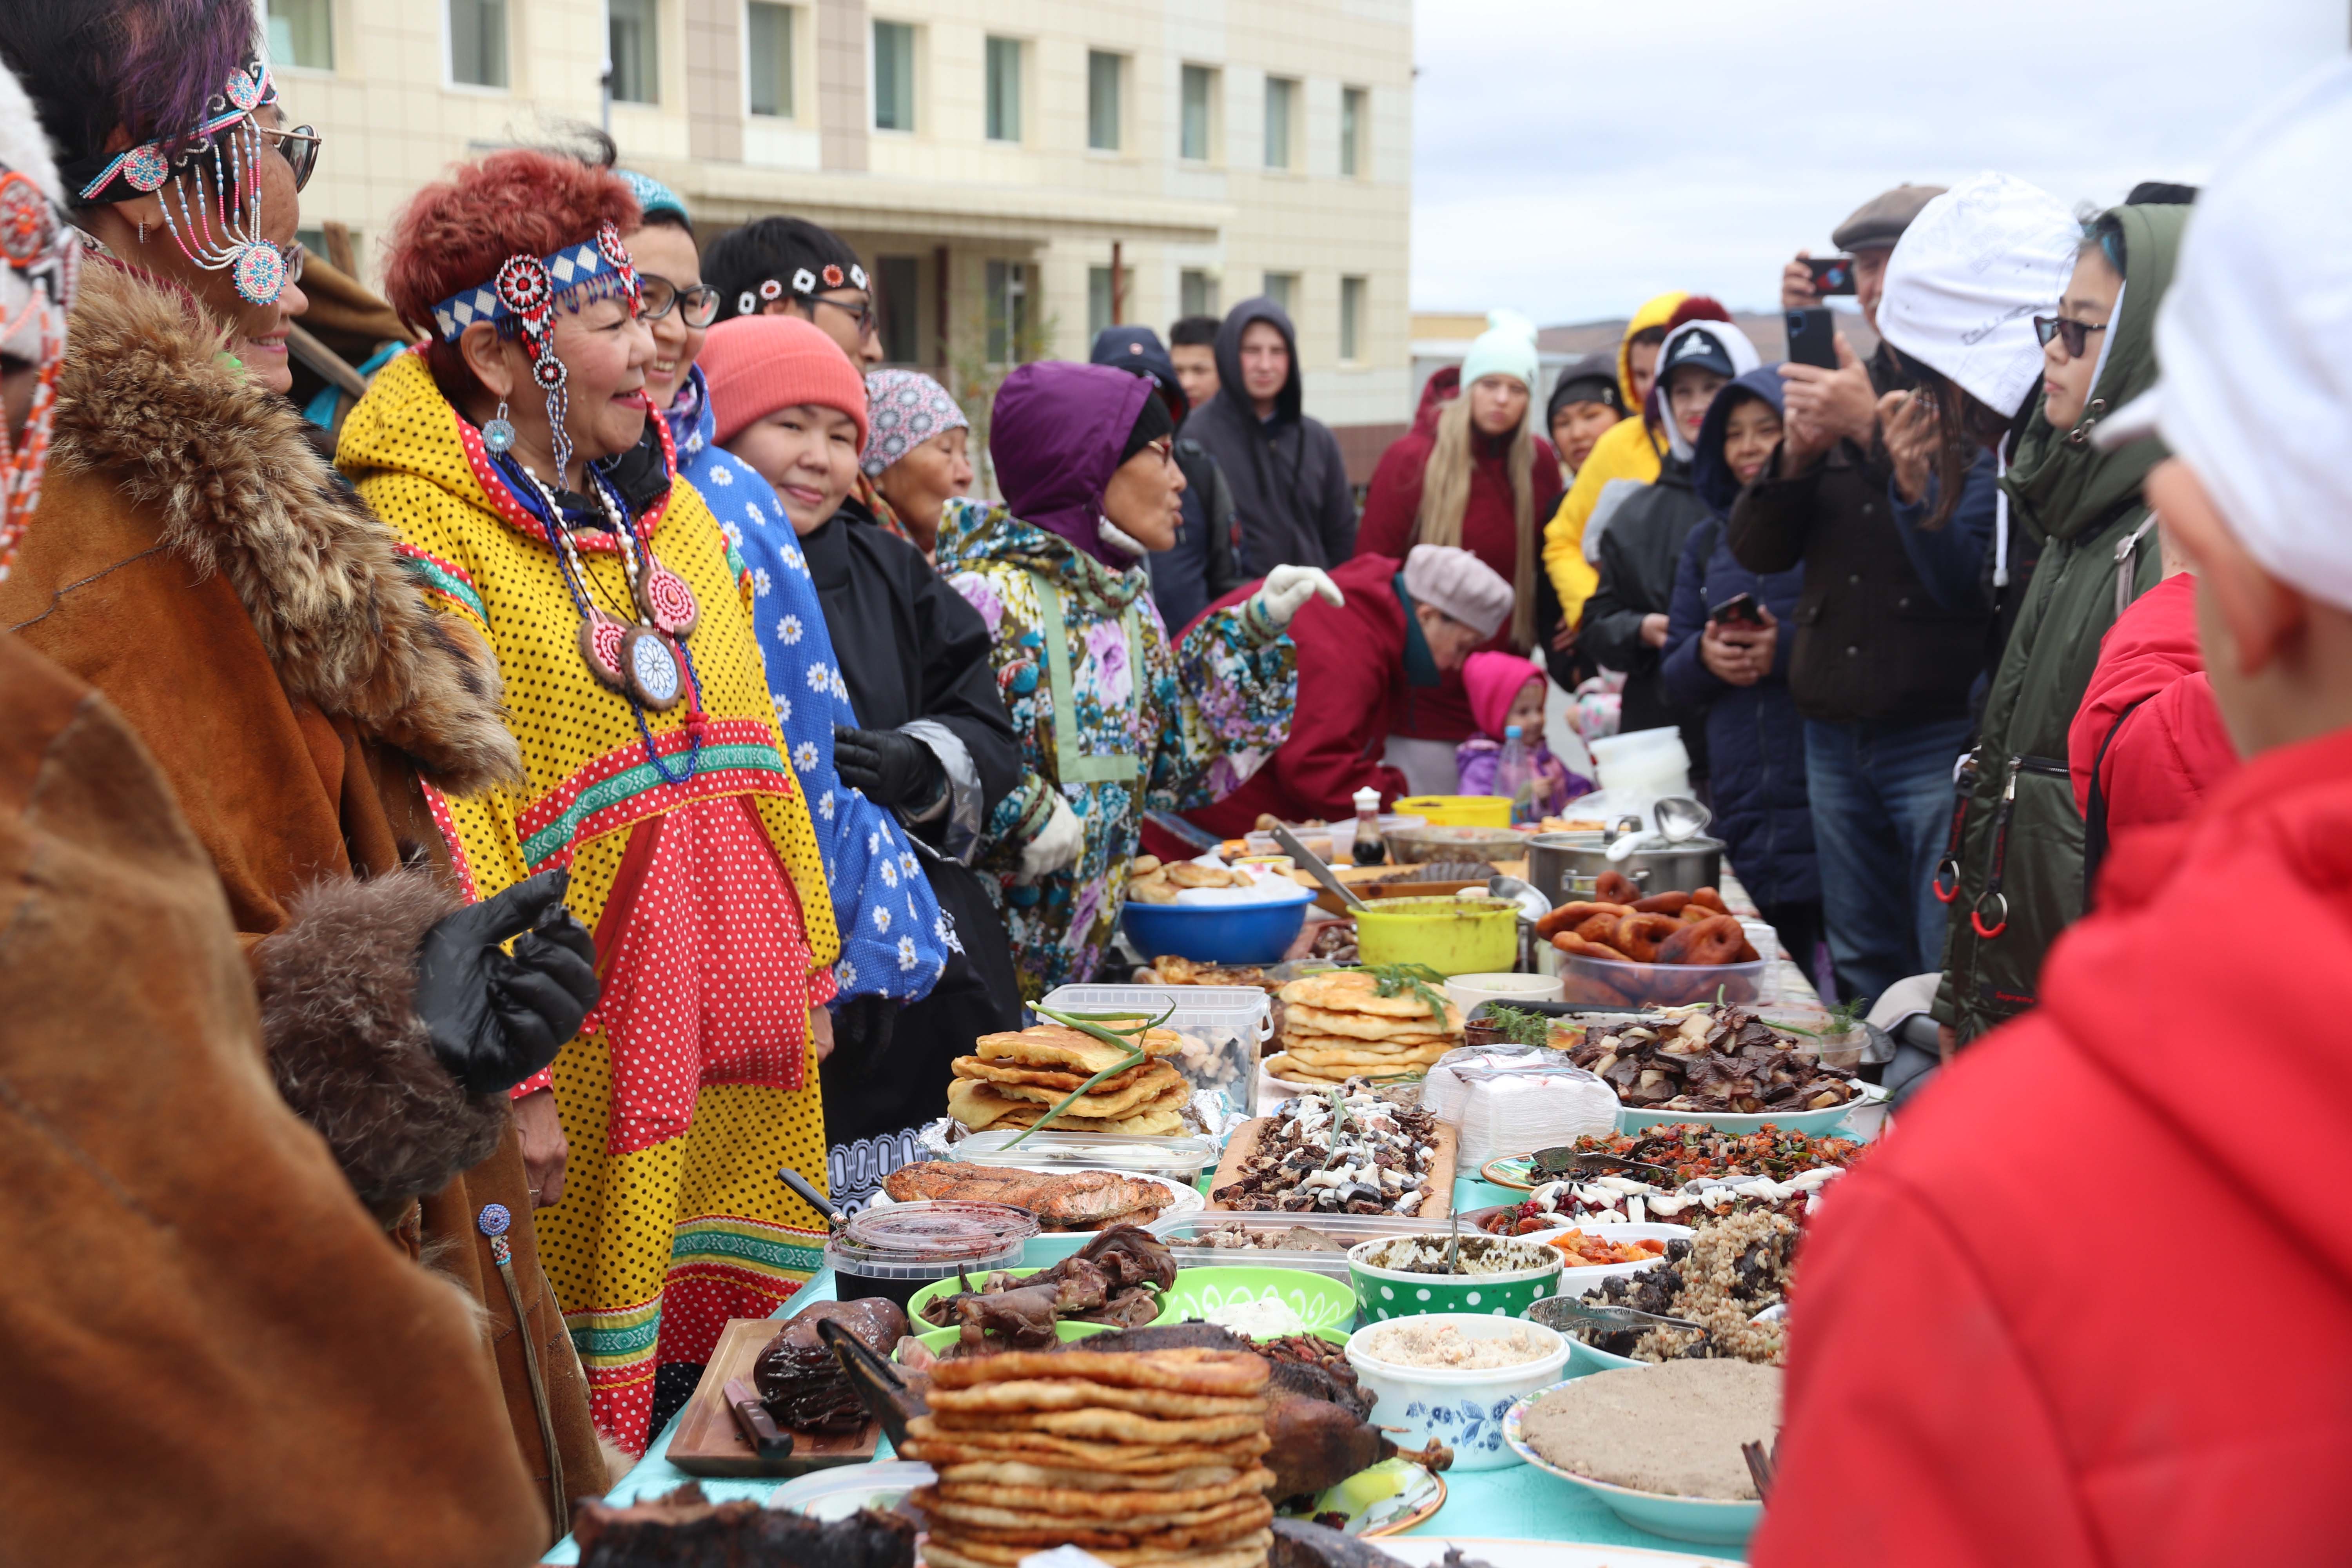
991 159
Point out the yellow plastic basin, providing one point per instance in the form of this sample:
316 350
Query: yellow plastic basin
1458 810
1453 936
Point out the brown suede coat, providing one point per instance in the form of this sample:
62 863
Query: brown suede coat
197 562
212 1357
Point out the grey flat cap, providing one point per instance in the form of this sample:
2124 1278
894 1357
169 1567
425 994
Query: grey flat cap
1881 220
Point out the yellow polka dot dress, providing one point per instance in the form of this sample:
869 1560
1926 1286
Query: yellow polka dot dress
694 1079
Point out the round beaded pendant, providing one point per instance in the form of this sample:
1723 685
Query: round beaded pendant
663 599
604 642
656 678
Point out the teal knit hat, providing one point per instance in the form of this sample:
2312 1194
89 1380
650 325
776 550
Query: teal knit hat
1507 347
653 197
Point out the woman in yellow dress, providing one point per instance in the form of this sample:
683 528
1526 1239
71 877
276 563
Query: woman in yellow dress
534 497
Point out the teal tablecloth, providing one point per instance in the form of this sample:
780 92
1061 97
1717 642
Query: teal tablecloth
1520 1503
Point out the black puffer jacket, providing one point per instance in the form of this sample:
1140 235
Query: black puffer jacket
1292 501
1640 549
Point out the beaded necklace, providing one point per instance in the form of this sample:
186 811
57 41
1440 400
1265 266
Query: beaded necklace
648 663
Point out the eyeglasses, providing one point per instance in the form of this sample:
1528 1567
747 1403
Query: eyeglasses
2075 335
299 147
863 310
1166 446
293 254
660 297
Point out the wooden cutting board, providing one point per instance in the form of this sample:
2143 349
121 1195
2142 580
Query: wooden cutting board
1439 1205
708 1443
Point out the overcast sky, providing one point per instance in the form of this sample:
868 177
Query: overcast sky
1572 157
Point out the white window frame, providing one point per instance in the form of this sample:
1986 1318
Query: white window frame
449 81
801 37
913 78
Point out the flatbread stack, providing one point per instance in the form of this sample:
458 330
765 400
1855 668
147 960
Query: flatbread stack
1011 1080
1338 1026
1141 1459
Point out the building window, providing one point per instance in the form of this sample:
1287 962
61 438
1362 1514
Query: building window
477 42
1007 311
1005 89
1281 100
1352 317
1199 89
768 31
302 32
1196 294
1352 119
1103 72
901 305
894 76
1282 287
634 50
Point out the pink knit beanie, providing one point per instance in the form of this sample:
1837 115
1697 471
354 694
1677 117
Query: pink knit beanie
757 364
1493 681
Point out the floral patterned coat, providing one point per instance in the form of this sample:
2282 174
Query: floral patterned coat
1111 716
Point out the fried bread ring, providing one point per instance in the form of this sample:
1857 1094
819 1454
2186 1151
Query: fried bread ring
1599 928
1638 936
1614 886
1662 903
1711 899
1569 941
1694 912
1568 917
1714 941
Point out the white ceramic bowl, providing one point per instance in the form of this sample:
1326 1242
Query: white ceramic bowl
1461 1408
1467 991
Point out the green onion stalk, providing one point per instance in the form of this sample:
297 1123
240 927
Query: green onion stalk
1129 1040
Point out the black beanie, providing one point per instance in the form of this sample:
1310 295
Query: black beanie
1151 421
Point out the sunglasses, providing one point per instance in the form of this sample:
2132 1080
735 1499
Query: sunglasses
697 305
2075 335
298 145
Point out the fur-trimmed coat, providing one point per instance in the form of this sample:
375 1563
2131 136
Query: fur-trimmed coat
196 560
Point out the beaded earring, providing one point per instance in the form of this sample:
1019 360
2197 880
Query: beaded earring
499 435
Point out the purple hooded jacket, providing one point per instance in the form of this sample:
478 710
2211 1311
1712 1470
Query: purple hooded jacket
1055 436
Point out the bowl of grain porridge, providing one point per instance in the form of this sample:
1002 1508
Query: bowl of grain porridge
1454 1376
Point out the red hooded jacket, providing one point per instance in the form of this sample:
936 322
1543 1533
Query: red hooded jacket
2092 1302
1489 531
1351 681
2149 727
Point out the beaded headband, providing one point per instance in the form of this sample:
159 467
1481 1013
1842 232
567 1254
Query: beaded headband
142 170
806 281
519 300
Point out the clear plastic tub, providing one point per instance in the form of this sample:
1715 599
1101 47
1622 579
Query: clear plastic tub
1181 1233
1224 1025
896 1251
1180 1159
1598 983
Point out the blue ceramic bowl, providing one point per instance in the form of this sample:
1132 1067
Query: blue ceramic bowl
1215 933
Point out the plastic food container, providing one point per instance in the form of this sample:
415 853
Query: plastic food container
1223 1027
1257 932
1178 1159
1458 841
1451 935
1600 983
1462 1407
1182 1233
1457 810
896 1251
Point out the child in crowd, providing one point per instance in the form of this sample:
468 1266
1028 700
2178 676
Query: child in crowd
1508 691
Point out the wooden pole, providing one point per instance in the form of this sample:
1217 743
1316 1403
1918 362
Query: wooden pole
1118 287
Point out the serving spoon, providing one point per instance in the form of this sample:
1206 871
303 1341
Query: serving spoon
1570 1312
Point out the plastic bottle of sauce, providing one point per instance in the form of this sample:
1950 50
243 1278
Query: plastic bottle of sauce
1368 849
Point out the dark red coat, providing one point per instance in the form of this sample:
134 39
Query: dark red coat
1489 531
1350 681
2150 710
2017 1335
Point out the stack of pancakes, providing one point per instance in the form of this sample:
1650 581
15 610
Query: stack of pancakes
1338 1026
1141 1459
1010 1081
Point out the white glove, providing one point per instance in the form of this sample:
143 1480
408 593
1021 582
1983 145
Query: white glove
1054 847
1287 590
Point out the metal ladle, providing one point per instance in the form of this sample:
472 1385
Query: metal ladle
1679 817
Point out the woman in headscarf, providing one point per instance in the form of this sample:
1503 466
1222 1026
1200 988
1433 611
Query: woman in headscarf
200 565
920 733
541 507
894 946
2013 877
1115 719
918 454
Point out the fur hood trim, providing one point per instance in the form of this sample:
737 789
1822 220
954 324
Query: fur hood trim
146 400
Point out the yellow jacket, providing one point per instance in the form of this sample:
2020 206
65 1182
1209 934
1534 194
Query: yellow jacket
1628 451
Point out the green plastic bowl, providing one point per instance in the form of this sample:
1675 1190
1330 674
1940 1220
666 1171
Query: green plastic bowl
938 1288
937 1340
1320 1302
1385 1293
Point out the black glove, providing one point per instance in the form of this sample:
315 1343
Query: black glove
889 768
494 1018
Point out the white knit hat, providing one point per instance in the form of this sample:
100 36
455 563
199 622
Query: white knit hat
25 150
1459 584
1967 277
1507 347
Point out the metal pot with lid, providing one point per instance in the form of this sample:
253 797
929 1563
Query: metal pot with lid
1563 866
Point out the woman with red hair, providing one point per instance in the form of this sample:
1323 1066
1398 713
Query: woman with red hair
539 503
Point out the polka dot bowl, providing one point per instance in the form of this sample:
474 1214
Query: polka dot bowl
1462 1407
1385 1293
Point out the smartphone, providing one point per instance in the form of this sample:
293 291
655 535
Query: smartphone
1812 337
1739 610
1831 274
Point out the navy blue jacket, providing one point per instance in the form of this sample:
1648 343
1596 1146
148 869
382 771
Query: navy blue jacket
1756 740
1200 567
